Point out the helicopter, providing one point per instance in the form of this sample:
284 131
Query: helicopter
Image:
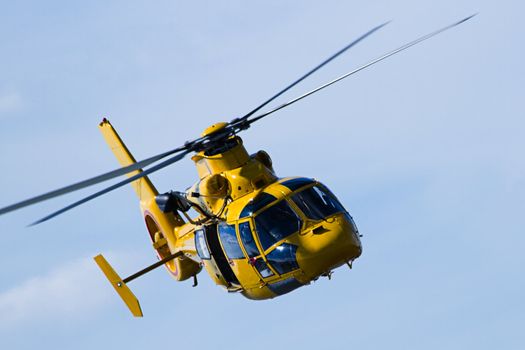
254 233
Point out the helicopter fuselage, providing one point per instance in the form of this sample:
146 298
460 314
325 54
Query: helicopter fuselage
255 233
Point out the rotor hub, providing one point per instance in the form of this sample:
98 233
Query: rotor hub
214 128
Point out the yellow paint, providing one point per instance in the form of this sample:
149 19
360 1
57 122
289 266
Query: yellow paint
214 128
143 187
122 289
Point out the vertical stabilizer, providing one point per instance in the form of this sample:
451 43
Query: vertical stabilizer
160 225
143 187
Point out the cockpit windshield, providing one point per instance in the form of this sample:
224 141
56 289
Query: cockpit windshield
274 219
275 223
317 203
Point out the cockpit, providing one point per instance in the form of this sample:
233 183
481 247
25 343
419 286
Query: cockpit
264 237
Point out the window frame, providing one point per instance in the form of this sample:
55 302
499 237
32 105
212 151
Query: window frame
262 255
268 266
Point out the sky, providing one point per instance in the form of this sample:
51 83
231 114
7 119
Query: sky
425 150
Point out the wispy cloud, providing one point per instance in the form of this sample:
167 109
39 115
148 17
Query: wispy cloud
76 288
9 103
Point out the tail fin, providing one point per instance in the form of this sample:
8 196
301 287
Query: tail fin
161 226
143 187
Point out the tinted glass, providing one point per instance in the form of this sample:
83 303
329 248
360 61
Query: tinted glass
283 259
200 244
258 203
263 269
247 239
294 184
275 223
317 203
229 241
286 286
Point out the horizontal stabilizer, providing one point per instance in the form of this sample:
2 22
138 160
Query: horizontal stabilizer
122 289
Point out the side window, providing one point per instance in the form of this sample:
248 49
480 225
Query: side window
247 239
229 241
200 244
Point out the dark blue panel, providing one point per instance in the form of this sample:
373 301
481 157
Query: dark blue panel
286 286
296 183
258 202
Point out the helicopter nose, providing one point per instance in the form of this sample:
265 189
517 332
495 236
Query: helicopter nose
331 243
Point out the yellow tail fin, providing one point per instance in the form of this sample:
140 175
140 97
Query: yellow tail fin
143 187
161 226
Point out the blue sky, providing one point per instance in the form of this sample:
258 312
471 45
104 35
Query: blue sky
425 150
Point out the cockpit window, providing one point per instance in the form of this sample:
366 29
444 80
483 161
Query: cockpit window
229 241
247 239
283 258
294 184
258 203
317 203
275 223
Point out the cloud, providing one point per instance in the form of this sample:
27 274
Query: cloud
73 290
10 102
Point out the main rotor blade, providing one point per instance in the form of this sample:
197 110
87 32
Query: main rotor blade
353 43
91 181
139 165
115 186
379 59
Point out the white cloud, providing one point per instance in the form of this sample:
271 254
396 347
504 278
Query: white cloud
10 102
75 289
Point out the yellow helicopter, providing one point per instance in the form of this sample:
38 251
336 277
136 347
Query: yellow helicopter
253 232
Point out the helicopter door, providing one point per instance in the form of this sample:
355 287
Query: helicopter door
212 237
